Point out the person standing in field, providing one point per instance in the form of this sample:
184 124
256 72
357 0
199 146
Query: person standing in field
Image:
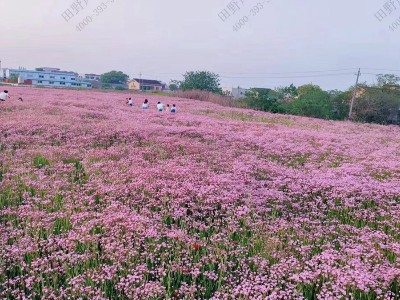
4 95
130 102
160 107
145 104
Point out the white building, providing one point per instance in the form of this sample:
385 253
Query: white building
235 93
48 77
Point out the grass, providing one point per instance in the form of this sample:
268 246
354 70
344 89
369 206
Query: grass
39 161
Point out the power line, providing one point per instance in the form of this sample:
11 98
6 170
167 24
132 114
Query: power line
378 74
297 72
262 73
312 74
277 77
288 77
389 70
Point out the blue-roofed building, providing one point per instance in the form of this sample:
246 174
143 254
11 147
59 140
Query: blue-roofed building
48 77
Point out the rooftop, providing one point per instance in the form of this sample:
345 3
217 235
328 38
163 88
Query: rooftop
147 81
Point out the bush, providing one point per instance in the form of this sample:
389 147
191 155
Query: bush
265 100
120 88
313 103
106 86
377 106
208 97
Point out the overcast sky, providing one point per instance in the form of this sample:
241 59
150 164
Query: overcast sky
163 39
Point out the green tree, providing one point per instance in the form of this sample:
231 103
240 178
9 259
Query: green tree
377 106
384 79
14 78
287 91
114 77
312 102
308 88
264 99
340 104
106 86
201 80
174 85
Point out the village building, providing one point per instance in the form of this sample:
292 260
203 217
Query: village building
46 77
145 85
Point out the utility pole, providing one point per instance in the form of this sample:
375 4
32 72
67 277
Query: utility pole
140 81
354 94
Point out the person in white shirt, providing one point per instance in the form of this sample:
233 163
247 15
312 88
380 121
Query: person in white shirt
145 104
130 102
173 108
160 107
4 95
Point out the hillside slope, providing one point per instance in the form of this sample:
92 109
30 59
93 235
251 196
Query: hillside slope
99 200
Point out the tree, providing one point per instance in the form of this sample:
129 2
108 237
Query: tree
340 103
174 85
201 80
377 106
384 79
308 88
287 91
114 77
312 102
263 99
14 78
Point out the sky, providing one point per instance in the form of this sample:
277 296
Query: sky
278 42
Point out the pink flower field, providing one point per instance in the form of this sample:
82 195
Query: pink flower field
99 200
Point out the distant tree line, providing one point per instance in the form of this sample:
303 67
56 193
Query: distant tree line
379 103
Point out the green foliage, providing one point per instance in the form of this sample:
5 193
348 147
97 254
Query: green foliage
173 87
340 104
307 89
312 102
384 79
377 106
40 161
106 86
264 99
79 174
14 78
120 88
287 91
201 80
114 77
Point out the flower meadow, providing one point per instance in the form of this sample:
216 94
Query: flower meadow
99 200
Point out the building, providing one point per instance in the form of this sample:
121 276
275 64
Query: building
47 77
235 93
92 77
145 85
393 87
